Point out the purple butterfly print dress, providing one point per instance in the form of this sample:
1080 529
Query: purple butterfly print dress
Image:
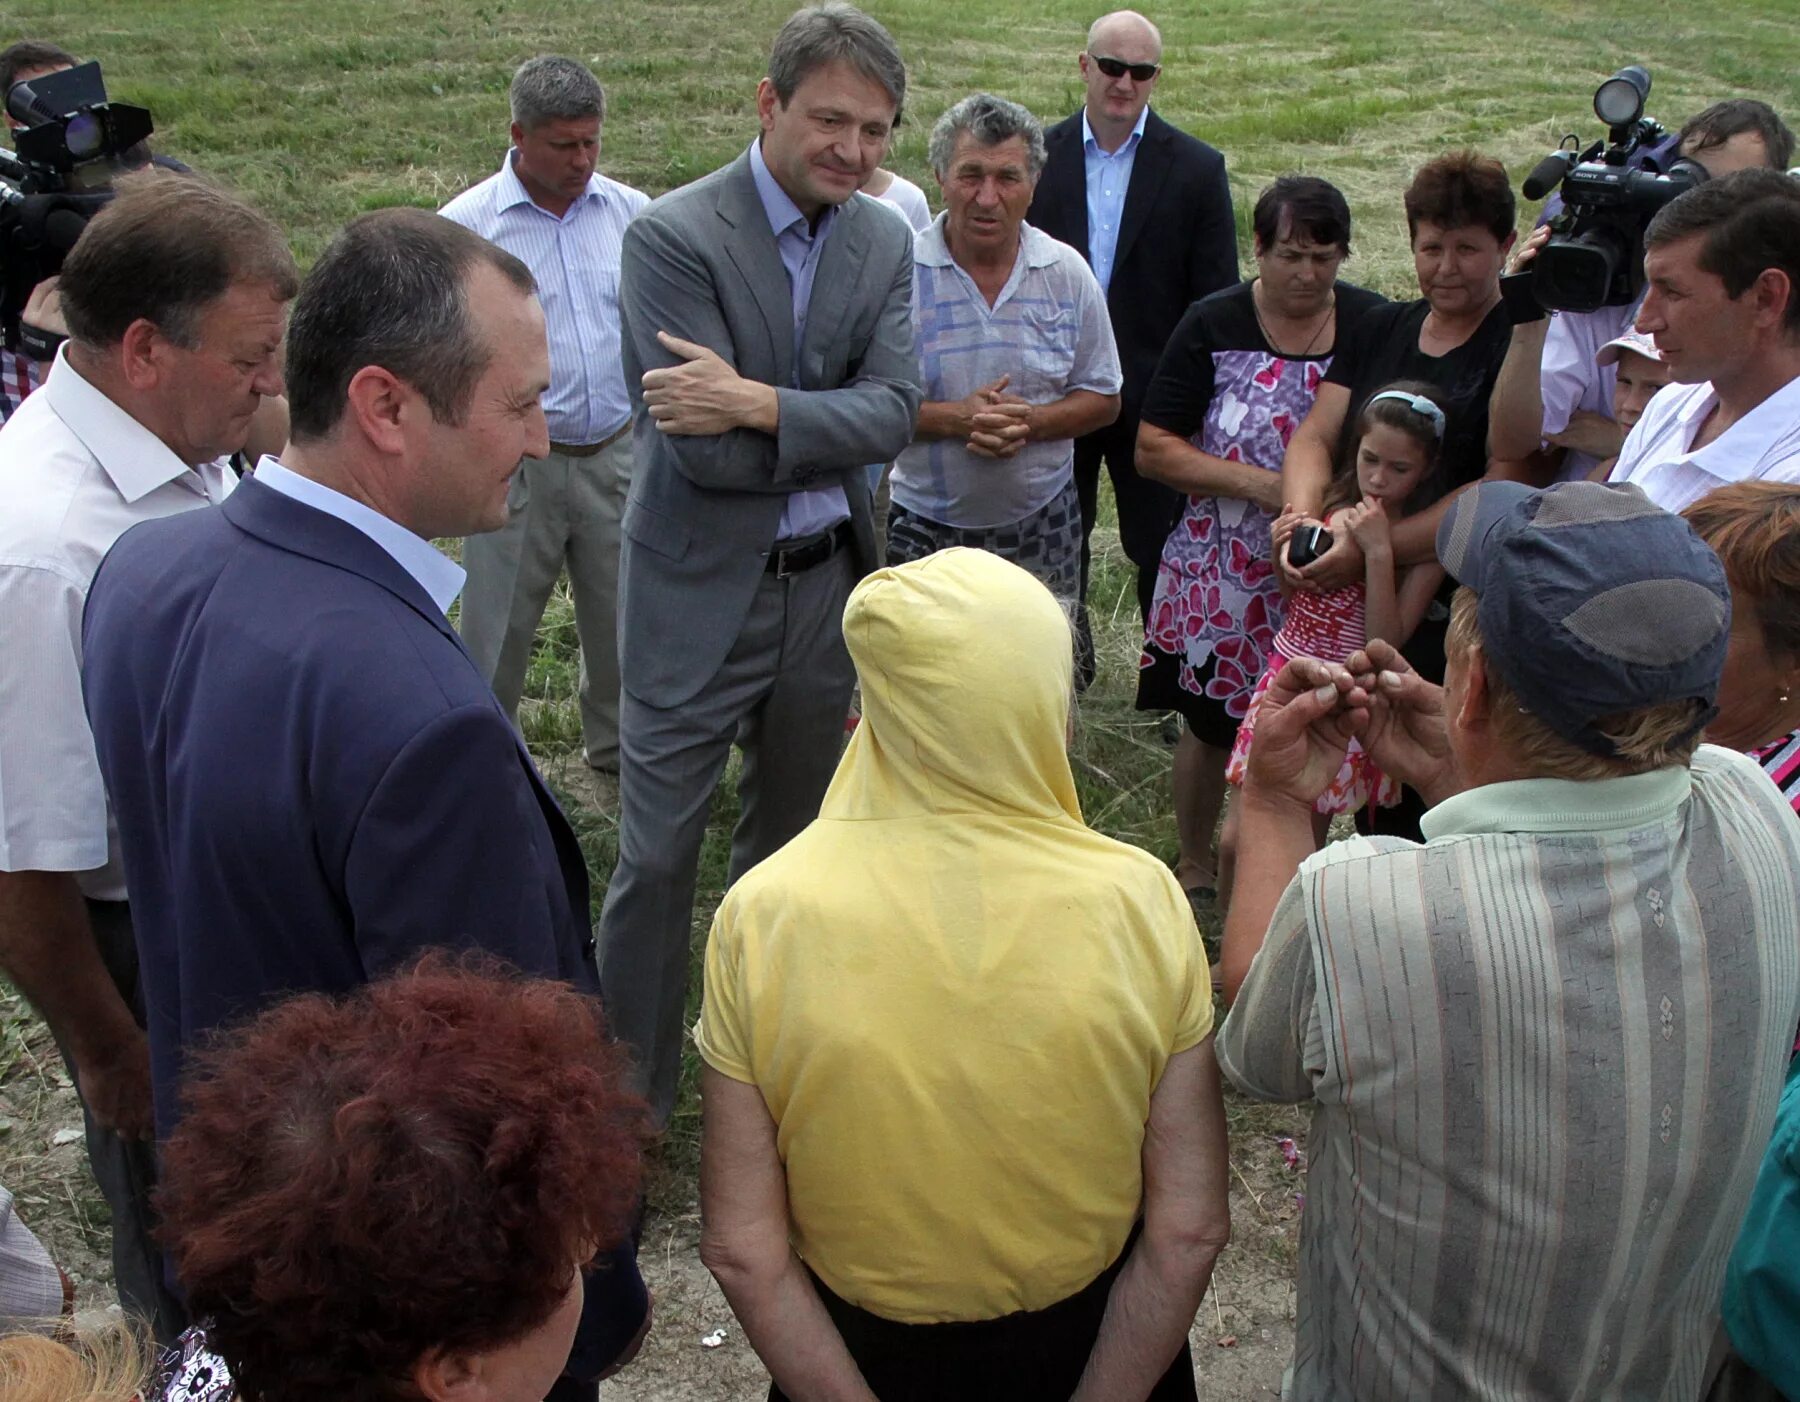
1217 606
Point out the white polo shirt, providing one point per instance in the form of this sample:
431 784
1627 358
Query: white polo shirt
1659 456
76 471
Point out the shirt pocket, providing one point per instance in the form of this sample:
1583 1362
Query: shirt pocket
1047 339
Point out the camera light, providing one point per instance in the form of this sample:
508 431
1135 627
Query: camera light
1621 98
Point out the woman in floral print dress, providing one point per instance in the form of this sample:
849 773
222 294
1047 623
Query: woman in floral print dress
1238 376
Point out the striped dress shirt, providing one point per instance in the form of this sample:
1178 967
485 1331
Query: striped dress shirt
1546 1049
575 260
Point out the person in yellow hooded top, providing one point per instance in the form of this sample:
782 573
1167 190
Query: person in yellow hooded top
963 1135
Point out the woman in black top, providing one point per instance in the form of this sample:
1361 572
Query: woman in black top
1460 211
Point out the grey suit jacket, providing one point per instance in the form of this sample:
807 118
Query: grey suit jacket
701 263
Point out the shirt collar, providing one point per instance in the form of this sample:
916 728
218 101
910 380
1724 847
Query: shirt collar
513 191
137 461
1088 143
932 250
438 575
1738 452
780 208
1561 805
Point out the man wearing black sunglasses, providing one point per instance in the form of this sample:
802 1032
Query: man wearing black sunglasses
1150 209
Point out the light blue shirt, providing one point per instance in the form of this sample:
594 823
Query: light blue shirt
1048 329
437 574
806 513
1108 178
575 260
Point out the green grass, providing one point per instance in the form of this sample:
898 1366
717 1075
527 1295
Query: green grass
321 109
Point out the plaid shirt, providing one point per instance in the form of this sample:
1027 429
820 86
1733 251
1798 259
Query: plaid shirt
19 375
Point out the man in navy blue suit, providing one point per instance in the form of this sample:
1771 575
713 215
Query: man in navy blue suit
313 782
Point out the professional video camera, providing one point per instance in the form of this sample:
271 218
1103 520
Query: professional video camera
1610 191
73 142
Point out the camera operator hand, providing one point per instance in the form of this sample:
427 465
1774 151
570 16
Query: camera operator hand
43 310
1525 250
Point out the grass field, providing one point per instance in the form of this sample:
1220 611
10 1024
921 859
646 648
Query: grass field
321 109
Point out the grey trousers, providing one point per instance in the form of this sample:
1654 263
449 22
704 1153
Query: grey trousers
782 693
562 509
125 1169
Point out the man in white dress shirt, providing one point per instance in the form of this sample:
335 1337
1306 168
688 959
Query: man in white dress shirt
1723 305
549 207
176 301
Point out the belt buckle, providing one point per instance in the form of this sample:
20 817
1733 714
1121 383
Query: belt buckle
781 565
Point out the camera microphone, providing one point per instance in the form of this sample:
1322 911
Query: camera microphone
1547 174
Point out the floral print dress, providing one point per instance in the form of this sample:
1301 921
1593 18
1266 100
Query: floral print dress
1217 608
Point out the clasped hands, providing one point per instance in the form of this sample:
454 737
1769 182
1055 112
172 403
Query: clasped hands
704 395
1310 713
998 424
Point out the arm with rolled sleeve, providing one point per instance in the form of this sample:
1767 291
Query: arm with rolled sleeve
1270 1043
665 285
53 825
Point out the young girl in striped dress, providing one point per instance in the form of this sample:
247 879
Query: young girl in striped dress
1386 477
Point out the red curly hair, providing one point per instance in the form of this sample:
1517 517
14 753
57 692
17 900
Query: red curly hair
355 1182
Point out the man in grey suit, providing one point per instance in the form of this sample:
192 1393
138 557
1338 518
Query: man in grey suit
768 348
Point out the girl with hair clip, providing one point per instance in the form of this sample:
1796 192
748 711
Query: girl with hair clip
1390 472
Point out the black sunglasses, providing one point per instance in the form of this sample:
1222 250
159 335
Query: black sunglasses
1118 68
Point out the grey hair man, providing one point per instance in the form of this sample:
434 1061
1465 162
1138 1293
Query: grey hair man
1018 356
550 208
769 356
1149 207
175 299
1560 1026
392 808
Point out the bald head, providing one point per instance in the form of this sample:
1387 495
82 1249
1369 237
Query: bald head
1128 45
1124 24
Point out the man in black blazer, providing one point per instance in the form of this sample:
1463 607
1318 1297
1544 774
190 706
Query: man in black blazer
312 780
1150 209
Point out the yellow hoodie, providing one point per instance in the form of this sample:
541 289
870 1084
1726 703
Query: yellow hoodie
954 996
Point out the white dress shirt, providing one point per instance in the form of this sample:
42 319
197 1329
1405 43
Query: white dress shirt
436 573
76 472
1108 180
575 260
1659 457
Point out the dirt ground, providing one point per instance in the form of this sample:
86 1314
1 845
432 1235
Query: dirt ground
1241 1339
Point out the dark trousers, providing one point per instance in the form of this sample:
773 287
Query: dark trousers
1032 1356
1147 510
125 1169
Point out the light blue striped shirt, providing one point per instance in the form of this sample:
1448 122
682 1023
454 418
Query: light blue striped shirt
806 513
437 574
1108 178
575 260
1048 329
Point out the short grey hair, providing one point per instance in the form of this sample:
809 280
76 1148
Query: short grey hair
990 120
835 33
551 88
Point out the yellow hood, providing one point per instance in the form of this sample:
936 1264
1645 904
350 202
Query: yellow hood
966 665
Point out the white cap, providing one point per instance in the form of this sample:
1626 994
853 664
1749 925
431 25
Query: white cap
1633 340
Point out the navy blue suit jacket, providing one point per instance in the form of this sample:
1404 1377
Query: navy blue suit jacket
313 783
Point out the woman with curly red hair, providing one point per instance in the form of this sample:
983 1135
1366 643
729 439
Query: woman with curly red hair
396 1194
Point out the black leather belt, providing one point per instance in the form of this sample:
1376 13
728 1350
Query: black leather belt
795 559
